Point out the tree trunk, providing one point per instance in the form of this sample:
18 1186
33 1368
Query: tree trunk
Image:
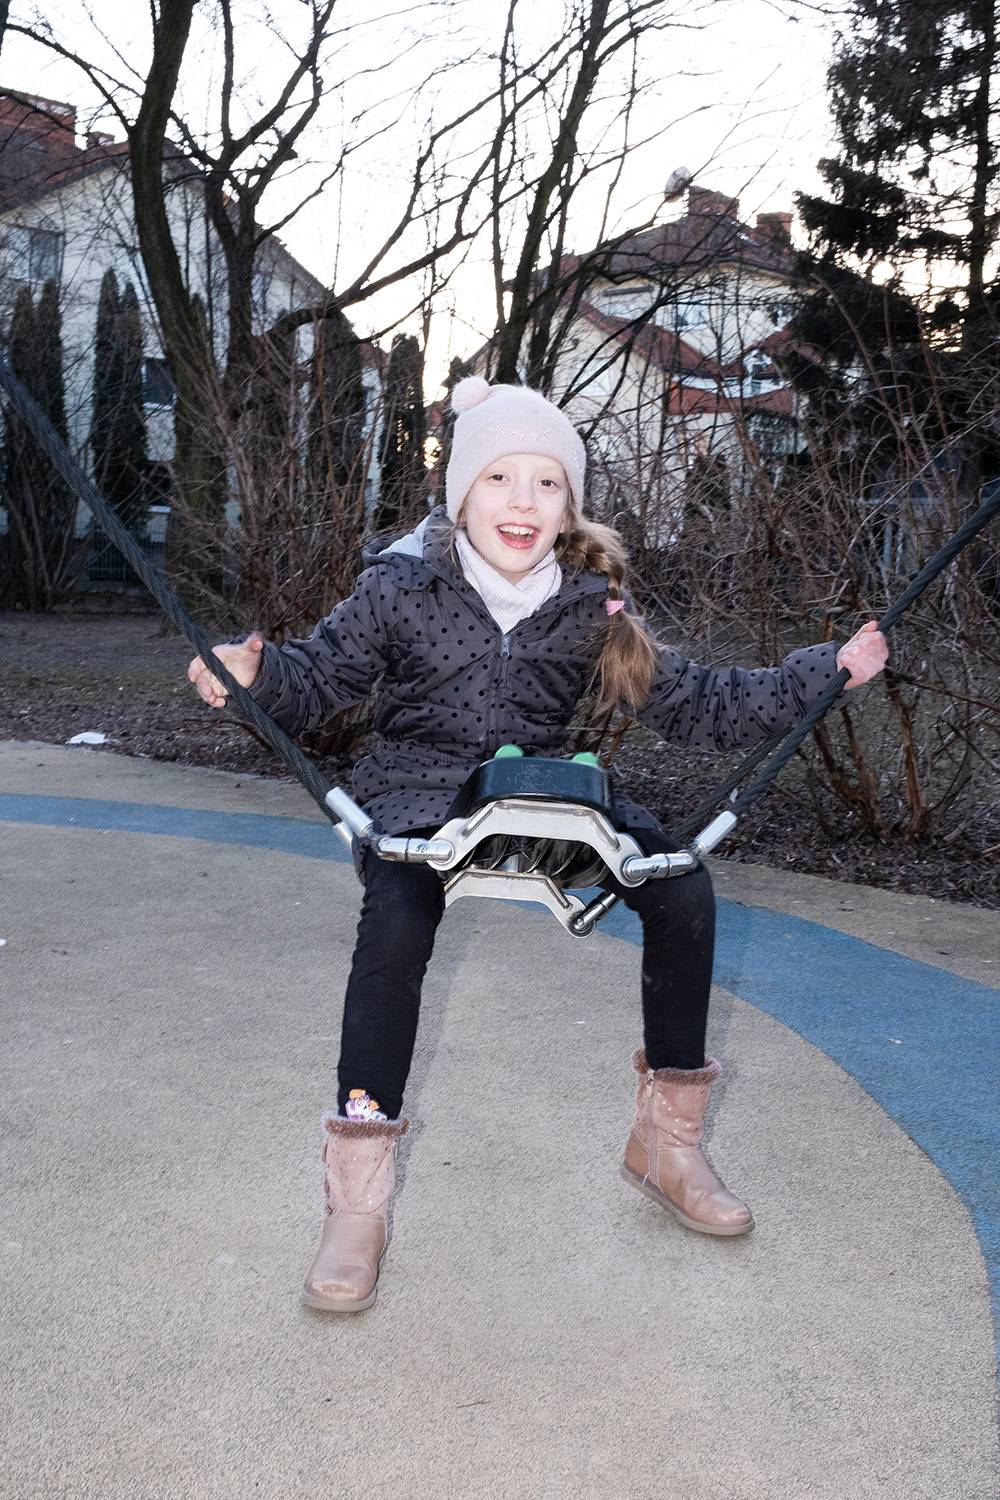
199 460
511 335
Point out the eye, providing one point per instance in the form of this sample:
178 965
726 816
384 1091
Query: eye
553 483
497 476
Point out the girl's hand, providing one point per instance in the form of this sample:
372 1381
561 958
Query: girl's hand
864 655
242 661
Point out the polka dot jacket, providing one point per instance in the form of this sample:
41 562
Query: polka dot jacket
450 687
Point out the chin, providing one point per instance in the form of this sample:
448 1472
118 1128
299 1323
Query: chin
516 562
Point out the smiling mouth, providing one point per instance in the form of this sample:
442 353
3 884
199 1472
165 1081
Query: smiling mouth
521 537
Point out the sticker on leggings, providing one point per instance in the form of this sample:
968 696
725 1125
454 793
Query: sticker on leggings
361 1106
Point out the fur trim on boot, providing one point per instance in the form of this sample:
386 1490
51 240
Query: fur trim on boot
337 1125
708 1074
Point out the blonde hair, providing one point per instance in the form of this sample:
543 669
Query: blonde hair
629 656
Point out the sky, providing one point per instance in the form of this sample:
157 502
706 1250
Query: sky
734 90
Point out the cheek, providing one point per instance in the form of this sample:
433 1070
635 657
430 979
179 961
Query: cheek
474 512
557 516
478 522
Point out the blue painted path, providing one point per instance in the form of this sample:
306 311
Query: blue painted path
924 1043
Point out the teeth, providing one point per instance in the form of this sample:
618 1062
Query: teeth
517 530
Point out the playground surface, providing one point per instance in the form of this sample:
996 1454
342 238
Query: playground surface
176 942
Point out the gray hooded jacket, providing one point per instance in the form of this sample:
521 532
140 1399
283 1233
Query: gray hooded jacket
450 687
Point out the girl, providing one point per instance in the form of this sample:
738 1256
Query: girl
488 625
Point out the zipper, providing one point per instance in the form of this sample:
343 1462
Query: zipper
579 589
492 741
651 1154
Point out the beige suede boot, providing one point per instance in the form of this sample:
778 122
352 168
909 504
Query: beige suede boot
663 1158
360 1157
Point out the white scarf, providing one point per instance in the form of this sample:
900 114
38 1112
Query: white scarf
507 602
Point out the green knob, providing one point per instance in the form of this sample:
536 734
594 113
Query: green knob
507 752
586 758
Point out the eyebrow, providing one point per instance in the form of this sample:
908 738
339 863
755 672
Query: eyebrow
549 469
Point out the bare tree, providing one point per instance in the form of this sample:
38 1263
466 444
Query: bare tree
234 172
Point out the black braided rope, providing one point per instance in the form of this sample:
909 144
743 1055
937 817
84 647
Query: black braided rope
51 443
696 820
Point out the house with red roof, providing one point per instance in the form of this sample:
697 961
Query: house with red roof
66 216
667 353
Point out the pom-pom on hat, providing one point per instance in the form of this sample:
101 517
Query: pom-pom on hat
493 420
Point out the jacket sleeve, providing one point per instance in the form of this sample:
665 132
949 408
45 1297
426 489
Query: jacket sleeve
738 706
302 683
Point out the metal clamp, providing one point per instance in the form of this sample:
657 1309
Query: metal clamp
658 866
411 851
713 833
352 821
525 817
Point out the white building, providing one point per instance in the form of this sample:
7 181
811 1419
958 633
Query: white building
665 358
66 215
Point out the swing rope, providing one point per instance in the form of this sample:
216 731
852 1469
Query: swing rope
782 747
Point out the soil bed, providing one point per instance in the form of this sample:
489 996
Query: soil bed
65 673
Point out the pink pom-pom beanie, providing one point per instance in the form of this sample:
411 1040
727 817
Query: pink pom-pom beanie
493 420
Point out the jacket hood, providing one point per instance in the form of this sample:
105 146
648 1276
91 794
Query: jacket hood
430 540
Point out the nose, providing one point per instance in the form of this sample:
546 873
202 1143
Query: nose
523 497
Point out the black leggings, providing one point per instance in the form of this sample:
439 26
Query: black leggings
400 912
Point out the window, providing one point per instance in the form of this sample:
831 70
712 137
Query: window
157 386
626 301
639 289
758 374
159 487
260 286
35 255
772 436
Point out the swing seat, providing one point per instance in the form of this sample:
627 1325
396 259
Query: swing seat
527 828
536 828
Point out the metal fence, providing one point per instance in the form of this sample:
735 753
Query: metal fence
105 564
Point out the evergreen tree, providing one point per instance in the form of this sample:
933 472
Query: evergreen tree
403 487
41 510
118 428
336 411
457 370
51 393
918 177
916 184
104 394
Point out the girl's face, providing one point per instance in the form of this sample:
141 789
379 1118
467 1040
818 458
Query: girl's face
515 510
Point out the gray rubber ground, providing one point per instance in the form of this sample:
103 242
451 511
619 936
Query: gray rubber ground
170 1016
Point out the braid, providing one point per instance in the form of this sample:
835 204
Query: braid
629 657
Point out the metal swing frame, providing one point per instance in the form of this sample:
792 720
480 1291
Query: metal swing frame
453 848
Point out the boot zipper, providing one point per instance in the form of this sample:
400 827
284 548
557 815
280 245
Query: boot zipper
651 1162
